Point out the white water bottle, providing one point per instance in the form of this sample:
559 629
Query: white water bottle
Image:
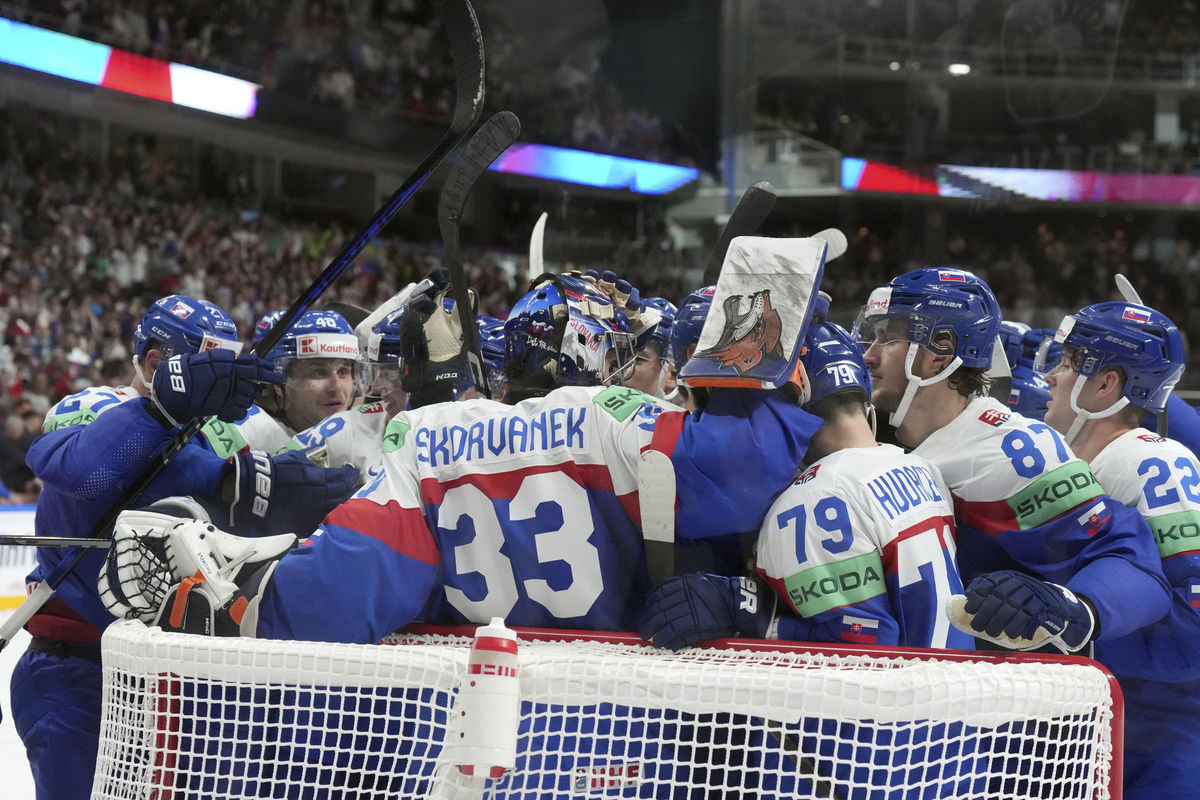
488 707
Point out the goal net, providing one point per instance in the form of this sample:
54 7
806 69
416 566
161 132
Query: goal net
600 716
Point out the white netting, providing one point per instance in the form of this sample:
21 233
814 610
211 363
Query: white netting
232 718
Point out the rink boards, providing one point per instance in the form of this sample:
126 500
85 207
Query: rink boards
15 561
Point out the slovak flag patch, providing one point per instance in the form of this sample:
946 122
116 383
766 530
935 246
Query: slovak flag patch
1093 519
859 629
1136 314
182 309
951 275
1195 592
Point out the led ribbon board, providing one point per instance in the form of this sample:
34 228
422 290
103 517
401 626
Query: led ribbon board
593 169
100 65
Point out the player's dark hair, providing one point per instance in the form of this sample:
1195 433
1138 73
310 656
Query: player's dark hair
970 381
848 402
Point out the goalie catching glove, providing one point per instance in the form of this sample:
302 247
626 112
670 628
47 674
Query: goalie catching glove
184 574
1021 612
686 609
432 361
219 383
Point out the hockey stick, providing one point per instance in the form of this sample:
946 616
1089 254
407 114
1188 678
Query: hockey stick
537 239
487 144
466 44
753 207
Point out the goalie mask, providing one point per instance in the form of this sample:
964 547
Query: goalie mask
1142 342
181 324
946 311
570 331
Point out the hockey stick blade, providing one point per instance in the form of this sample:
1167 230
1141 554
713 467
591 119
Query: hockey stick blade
495 136
466 45
53 541
537 241
747 216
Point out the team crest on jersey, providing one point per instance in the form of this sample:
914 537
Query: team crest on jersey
371 408
994 417
1150 437
182 309
749 336
809 474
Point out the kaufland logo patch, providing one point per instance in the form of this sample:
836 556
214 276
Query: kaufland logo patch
182 309
601 777
994 417
879 300
1136 314
952 276
316 345
216 343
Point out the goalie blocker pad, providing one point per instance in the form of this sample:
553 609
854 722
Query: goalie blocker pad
754 334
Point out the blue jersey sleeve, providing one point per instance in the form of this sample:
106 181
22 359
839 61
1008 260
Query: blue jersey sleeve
734 457
367 571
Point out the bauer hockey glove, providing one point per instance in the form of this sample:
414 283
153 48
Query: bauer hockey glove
284 492
1021 612
184 574
685 609
432 360
219 383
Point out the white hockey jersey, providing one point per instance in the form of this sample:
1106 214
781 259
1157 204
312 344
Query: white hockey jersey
352 437
862 545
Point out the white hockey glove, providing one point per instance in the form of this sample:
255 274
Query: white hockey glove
185 574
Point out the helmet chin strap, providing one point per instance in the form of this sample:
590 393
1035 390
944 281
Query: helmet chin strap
915 383
873 420
137 370
1082 416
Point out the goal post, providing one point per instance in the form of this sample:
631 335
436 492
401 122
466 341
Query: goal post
601 715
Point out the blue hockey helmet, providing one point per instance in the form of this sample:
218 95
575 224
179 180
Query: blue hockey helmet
833 361
662 331
1143 342
315 334
1012 334
568 329
265 323
491 345
936 301
689 321
183 324
1029 393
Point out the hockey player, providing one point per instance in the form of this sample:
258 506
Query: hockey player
860 509
1045 554
93 445
357 436
1119 362
318 359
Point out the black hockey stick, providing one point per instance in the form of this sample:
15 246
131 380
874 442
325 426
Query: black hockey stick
746 218
466 44
493 137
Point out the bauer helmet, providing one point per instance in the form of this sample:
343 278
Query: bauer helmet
185 325
1141 341
568 329
935 301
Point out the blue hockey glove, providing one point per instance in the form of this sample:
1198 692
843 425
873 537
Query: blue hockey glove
219 383
1021 612
432 360
285 493
685 609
